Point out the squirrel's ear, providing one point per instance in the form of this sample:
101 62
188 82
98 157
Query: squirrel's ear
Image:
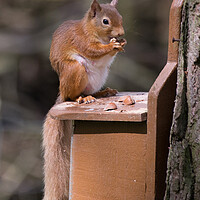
95 7
114 3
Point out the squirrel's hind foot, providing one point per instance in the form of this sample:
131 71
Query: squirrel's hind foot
108 92
87 99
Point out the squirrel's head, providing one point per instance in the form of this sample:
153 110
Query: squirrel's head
106 20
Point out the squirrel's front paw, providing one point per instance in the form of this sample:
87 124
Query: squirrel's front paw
116 44
123 42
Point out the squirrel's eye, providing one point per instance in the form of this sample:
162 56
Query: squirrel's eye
105 21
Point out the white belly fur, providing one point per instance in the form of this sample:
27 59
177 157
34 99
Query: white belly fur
97 71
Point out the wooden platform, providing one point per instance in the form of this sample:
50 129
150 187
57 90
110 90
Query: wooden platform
95 111
108 148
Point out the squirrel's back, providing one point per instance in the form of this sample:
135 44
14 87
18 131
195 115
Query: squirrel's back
63 38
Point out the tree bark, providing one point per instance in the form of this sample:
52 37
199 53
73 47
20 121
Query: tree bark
183 175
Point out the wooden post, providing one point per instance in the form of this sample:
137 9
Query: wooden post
160 109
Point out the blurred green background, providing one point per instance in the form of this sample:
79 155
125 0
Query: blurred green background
28 85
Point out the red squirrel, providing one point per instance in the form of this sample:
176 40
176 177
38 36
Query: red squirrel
81 54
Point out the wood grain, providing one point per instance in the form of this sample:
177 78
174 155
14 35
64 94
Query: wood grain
108 166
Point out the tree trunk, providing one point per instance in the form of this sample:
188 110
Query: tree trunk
183 175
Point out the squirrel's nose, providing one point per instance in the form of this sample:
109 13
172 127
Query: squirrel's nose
121 32
117 32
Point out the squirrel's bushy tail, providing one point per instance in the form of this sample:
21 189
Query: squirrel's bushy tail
56 144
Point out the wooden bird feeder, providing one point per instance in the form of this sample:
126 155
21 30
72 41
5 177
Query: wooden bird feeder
121 154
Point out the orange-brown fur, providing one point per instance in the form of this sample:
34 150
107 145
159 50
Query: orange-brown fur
87 39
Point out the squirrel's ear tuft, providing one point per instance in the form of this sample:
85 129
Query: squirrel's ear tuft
95 7
114 3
